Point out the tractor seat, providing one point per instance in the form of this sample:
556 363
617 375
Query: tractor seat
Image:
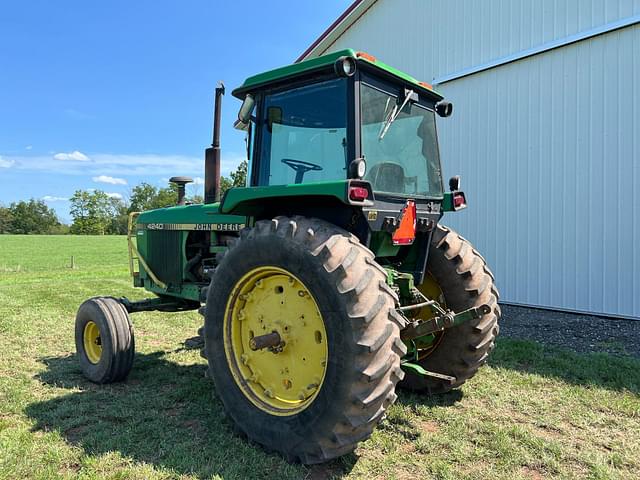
387 177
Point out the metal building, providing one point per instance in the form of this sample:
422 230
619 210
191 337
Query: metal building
545 133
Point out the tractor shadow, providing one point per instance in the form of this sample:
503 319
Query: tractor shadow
164 414
602 370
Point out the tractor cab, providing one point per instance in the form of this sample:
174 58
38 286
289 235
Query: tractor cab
350 116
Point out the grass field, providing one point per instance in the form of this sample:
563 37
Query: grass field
533 412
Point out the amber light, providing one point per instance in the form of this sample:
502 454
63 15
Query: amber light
427 85
366 56
358 194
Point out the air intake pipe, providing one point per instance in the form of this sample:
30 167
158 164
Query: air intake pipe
212 154
181 182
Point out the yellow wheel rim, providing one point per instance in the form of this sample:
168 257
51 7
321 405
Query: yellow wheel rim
430 289
283 379
92 342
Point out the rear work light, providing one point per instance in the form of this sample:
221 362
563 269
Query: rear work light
358 194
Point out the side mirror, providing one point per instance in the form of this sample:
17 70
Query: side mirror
244 115
444 109
454 183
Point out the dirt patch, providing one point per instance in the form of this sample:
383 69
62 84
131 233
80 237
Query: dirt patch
426 426
528 472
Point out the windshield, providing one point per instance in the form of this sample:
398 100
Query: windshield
304 137
402 155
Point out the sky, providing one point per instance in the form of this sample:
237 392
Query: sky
105 95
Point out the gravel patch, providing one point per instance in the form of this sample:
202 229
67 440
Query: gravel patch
580 333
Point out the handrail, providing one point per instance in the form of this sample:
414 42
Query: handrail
134 250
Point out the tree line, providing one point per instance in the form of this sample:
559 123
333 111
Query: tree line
94 212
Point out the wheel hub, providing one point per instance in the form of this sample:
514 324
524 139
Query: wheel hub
426 345
92 342
275 341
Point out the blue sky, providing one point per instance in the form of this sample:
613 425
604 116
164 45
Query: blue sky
108 94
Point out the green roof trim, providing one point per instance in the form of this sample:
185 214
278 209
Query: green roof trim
318 63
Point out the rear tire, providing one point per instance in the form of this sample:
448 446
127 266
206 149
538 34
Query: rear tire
466 281
357 311
104 340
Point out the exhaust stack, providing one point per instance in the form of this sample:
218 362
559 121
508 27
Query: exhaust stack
212 154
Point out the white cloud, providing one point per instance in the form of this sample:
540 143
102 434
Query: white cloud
110 180
198 181
114 195
50 198
6 163
149 166
29 147
75 156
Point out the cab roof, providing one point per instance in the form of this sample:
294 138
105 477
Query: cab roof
255 82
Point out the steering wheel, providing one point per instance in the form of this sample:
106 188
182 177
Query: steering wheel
300 167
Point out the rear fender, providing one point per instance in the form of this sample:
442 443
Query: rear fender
328 201
254 201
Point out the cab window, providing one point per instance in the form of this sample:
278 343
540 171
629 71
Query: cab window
304 134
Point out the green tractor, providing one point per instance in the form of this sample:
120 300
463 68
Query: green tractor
328 280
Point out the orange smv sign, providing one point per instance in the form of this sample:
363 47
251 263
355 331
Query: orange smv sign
406 232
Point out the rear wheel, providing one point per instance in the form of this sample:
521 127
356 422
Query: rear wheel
302 338
104 340
459 278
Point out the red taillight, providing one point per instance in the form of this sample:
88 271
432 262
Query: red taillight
358 194
458 200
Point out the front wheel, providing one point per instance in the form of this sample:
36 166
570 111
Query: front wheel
104 340
302 338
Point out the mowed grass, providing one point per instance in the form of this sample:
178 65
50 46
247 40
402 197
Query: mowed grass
533 412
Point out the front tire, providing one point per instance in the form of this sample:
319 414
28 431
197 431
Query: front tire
322 292
104 340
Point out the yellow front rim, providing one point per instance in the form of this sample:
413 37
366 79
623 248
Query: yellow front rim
92 342
430 289
285 379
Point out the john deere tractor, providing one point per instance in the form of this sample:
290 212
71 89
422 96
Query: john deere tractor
329 279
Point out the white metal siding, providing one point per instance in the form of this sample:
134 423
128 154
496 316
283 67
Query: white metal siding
547 146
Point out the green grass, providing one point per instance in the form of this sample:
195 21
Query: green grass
533 412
